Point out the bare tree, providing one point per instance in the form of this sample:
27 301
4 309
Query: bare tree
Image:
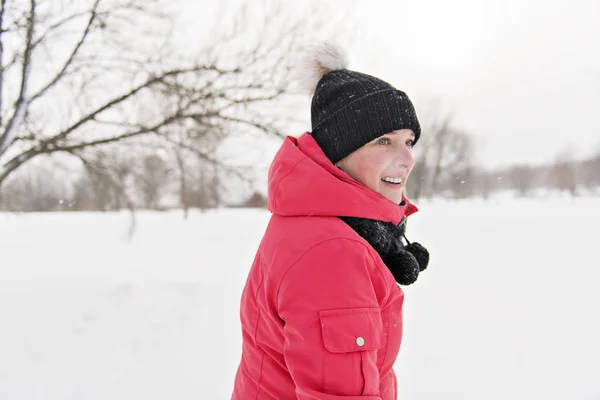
590 172
119 82
104 184
522 177
420 175
154 177
462 184
564 173
184 194
36 190
445 154
85 195
484 182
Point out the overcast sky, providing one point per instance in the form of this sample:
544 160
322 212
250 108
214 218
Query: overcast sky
523 75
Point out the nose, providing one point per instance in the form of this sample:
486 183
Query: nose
405 158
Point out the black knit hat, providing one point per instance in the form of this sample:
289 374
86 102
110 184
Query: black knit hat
349 109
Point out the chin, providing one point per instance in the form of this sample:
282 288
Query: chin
394 198
392 194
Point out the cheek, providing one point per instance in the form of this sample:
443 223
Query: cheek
372 169
410 161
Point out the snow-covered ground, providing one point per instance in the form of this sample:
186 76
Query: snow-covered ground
508 309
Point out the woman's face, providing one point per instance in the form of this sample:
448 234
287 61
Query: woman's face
383 164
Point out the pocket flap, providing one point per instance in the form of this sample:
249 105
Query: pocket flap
354 329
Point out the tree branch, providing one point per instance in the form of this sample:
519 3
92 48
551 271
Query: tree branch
48 145
57 25
124 136
144 130
43 36
206 157
72 56
2 8
257 125
90 167
21 101
91 116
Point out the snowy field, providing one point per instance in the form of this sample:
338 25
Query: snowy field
508 309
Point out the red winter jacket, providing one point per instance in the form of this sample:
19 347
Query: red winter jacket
321 313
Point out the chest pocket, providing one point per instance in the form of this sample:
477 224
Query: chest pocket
351 338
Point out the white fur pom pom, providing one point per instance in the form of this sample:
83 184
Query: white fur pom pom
319 60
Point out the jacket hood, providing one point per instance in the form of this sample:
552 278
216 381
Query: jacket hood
302 182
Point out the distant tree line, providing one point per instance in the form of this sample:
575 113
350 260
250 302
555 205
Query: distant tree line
120 179
445 168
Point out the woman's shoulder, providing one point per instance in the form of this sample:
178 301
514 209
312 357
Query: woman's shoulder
308 231
289 239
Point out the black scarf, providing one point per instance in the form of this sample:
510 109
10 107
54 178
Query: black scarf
404 261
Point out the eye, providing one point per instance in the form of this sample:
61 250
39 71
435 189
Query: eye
383 141
409 142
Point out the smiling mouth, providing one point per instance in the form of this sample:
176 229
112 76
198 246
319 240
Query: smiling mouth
393 181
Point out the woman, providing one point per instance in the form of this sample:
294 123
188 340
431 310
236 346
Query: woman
321 311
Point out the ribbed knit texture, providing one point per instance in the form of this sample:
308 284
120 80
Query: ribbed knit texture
350 109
